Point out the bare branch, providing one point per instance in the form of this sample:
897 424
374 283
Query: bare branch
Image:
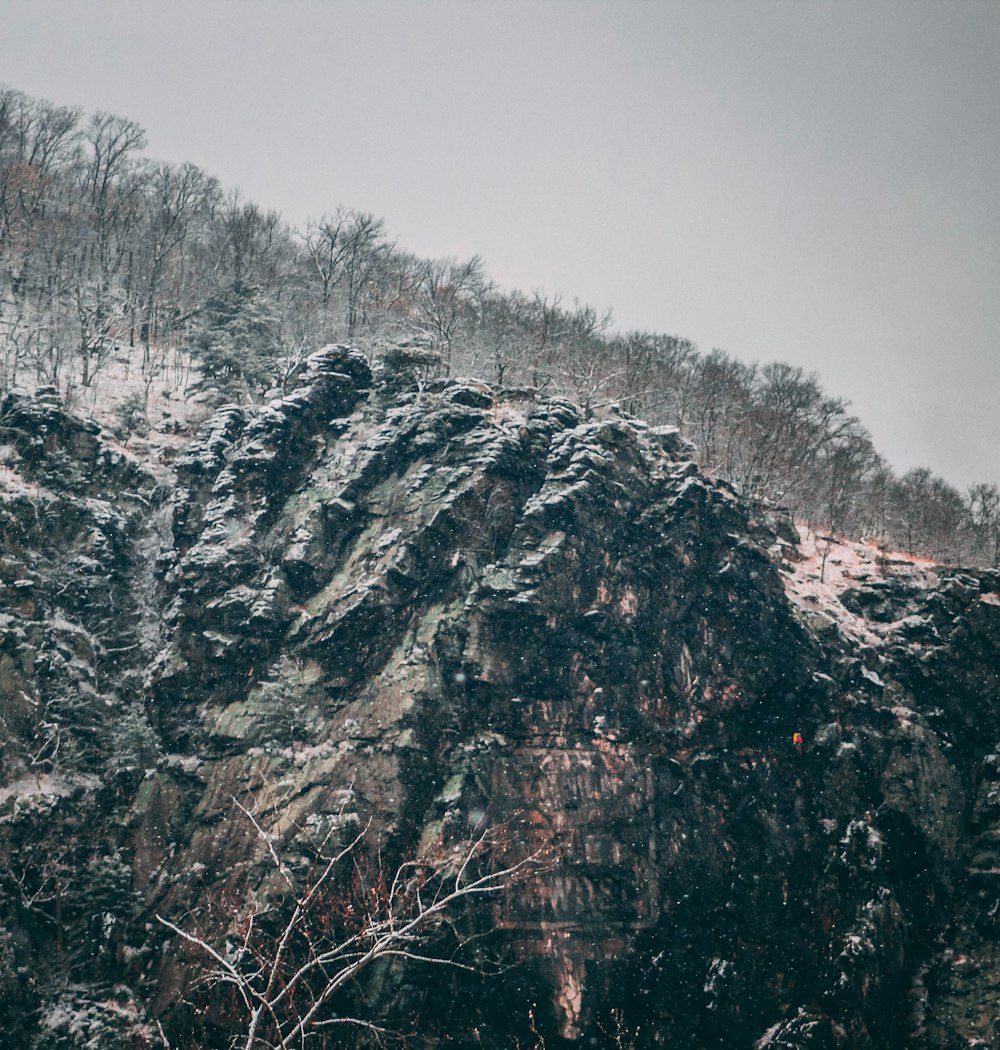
294 975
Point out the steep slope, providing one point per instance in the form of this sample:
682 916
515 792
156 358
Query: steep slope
77 621
406 607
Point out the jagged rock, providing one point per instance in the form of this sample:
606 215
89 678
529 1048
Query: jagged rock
670 440
406 605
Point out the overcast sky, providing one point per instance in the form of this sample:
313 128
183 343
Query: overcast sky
811 182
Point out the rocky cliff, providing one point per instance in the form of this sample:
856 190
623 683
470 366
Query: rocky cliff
769 806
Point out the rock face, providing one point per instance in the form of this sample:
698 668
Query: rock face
75 624
771 818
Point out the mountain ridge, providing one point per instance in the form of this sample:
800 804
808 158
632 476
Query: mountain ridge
409 607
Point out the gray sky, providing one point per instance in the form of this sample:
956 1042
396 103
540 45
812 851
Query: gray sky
803 181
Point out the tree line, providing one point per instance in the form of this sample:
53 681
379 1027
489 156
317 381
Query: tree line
104 251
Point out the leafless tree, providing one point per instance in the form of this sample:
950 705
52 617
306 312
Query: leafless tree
286 980
325 246
346 250
983 522
586 367
650 369
251 246
446 288
386 310
35 139
367 250
175 198
502 337
111 188
843 476
717 406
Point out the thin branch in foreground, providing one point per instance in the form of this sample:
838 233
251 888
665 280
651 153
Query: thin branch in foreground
286 981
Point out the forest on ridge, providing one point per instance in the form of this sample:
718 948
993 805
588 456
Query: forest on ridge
106 254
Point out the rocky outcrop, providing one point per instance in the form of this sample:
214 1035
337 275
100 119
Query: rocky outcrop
416 609
76 622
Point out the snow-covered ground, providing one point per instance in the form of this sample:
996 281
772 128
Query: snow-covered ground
169 412
822 567
148 415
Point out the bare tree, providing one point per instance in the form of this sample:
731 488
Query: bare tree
502 337
387 308
585 364
589 380
843 477
288 980
927 515
716 408
545 327
111 189
366 249
650 367
983 521
346 250
326 248
35 140
787 424
175 198
446 288
251 246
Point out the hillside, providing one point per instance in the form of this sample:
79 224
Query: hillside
124 275
739 804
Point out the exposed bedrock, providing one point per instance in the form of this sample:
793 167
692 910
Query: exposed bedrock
431 610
